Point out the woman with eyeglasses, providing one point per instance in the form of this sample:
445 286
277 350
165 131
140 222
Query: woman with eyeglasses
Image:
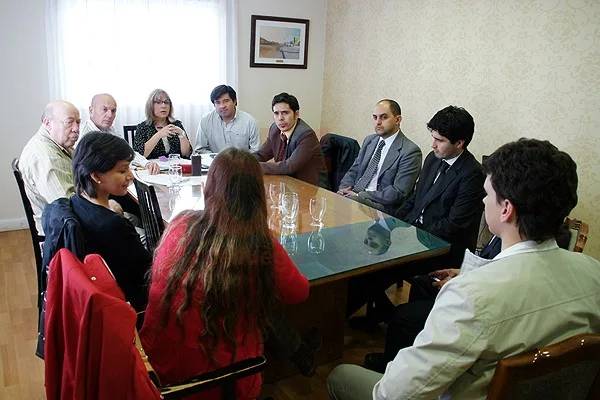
160 134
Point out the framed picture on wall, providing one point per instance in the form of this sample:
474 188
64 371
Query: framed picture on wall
277 42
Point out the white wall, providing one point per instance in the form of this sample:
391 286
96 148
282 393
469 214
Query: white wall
257 86
24 79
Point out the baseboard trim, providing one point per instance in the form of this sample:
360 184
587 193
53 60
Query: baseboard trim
13 224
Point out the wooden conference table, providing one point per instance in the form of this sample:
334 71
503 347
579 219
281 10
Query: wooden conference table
346 252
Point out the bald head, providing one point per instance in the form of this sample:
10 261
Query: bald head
61 120
103 111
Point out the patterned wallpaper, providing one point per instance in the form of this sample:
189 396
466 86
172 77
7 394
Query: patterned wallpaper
521 68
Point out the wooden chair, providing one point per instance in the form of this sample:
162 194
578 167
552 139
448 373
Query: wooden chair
566 370
579 231
129 133
152 220
36 239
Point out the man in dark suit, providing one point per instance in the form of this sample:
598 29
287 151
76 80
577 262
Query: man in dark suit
447 201
388 164
292 144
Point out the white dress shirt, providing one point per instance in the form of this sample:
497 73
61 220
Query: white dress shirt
372 186
529 295
89 126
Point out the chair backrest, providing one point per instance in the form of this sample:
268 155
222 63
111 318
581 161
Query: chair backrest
129 133
579 231
339 152
152 220
565 370
36 239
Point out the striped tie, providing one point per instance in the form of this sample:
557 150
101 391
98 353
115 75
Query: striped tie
364 180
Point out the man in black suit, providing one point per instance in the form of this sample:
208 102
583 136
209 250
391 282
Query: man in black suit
448 198
293 145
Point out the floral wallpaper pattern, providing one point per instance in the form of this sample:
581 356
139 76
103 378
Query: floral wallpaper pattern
521 68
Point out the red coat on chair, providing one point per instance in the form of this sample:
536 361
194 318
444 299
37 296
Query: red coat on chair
89 335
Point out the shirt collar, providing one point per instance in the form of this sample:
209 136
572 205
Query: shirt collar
291 130
451 161
234 115
109 130
47 135
388 141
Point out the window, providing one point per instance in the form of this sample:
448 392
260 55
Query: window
129 47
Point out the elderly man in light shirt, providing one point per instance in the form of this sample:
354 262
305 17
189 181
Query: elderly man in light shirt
103 111
226 126
45 161
531 294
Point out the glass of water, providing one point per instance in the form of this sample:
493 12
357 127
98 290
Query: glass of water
289 208
174 159
175 174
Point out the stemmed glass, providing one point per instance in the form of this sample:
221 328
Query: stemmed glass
317 207
174 159
276 190
175 174
289 208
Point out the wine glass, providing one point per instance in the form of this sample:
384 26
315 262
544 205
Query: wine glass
175 174
174 159
276 190
317 207
289 208
316 242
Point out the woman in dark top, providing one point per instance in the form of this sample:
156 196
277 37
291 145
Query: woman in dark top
101 168
160 134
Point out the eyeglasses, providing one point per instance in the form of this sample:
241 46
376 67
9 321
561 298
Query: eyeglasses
167 102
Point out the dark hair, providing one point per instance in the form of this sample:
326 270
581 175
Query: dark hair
394 106
220 91
287 98
454 123
227 250
97 152
539 180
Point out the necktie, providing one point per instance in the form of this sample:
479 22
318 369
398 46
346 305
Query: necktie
281 154
364 180
441 171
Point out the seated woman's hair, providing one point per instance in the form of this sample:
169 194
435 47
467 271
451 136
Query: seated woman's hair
97 152
228 250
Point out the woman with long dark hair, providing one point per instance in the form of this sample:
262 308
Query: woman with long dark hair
218 277
101 169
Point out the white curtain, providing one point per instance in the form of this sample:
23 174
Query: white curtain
129 47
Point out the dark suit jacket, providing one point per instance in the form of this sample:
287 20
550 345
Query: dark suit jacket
303 156
454 211
398 174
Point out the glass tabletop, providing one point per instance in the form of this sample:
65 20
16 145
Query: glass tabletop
331 251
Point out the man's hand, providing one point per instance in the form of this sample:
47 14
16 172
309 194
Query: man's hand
116 207
153 168
346 192
444 275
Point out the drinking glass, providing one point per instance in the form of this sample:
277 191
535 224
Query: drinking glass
175 174
289 208
316 242
174 159
276 190
317 207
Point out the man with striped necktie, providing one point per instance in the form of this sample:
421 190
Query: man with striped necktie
388 164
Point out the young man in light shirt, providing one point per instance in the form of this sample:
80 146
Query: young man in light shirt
531 294
103 111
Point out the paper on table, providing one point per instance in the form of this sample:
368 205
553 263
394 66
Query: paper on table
207 159
164 165
163 179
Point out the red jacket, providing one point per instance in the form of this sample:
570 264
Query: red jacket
89 351
175 360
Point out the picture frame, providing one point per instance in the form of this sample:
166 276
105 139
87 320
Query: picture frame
278 42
